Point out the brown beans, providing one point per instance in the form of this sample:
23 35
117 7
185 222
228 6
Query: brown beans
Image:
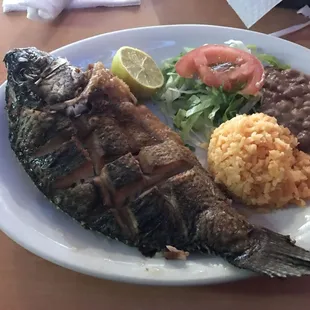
286 96
270 112
284 105
305 110
301 80
298 102
304 140
291 73
294 91
271 85
281 89
306 125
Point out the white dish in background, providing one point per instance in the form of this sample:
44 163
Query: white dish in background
30 220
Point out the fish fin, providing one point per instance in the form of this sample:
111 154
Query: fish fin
274 255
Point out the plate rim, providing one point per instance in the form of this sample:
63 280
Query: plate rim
47 255
173 26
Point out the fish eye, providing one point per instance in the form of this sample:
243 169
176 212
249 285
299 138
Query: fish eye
22 75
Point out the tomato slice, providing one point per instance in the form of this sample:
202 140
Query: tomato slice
246 68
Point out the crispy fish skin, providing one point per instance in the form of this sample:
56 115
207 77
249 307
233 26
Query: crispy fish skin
115 168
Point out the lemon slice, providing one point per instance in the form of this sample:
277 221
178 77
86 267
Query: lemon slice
138 70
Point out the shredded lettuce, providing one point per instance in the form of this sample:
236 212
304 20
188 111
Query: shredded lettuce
196 109
267 59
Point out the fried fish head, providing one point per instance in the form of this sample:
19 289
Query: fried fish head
38 74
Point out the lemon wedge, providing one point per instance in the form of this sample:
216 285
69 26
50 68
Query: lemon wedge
138 70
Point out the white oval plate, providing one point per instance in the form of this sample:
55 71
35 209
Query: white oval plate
30 220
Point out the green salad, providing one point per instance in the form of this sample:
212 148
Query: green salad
197 109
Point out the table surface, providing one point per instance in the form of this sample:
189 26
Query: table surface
29 282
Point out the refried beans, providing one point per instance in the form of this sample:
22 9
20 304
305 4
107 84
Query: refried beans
286 96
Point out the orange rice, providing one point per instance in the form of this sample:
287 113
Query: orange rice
257 160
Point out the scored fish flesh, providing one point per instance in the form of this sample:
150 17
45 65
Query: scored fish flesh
112 165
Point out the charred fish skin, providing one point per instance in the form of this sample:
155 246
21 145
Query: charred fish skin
115 168
37 79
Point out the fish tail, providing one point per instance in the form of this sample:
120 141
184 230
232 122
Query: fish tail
274 255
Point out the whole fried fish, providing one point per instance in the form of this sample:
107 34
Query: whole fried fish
115 168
